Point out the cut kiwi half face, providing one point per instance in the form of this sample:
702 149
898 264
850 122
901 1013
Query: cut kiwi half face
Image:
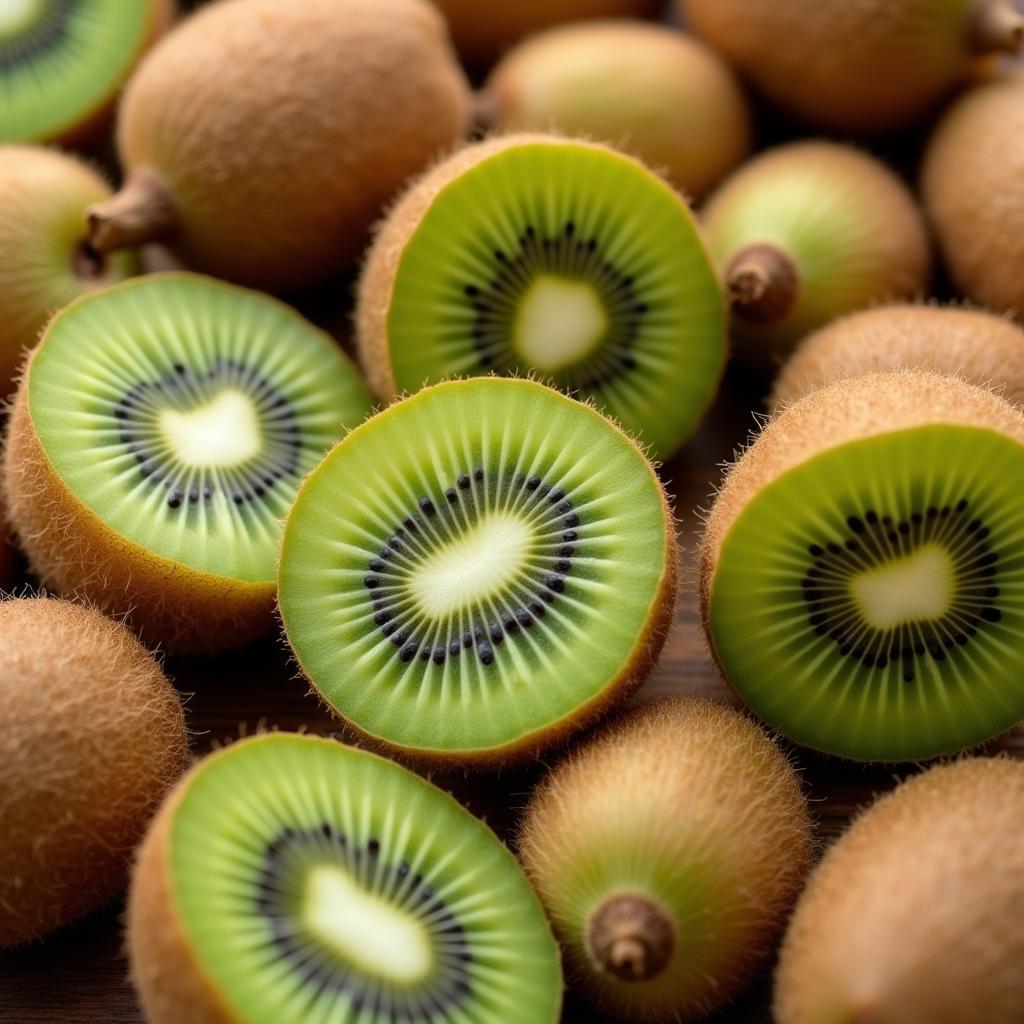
478 570
863 569
291 879
161 431
554 257
63 61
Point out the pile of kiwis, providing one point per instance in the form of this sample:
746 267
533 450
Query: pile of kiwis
380 331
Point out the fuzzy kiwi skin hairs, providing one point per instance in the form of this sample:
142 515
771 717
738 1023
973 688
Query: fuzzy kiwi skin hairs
864 66
979 347
645 89
913 916
973 187
261 139
681 787
93 736
46 264
809 231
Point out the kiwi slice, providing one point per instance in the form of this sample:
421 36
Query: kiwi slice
158 438
290 879
544 255
863 568
63 61
478 570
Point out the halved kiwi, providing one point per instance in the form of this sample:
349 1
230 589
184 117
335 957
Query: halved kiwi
291 879
158 436
863 568
541 254
62 62
478 570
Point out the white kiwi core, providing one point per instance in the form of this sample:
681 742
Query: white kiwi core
223 432
559 323
917 587
17 14
484 560
367 931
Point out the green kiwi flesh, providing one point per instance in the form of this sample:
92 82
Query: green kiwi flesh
302 880
571 261
478 570
62 60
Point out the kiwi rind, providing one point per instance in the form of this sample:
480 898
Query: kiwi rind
978 347
644 654
912 915
681 803
93 736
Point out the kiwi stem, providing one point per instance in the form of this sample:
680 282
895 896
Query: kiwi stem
141 212
86 263
631 937
996 27
762 282
486 111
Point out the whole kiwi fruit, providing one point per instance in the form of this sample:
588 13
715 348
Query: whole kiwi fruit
973 189
93 736
979 347
261 139
646 89
668 851
913 916
46 259
481 35
862 66
806 232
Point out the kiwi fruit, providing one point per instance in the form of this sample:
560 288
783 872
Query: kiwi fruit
47 261
291 879
667 852
865 66
862 569
158 436
647 89
542 255
63 62
809 231
481 37
913 916
93 736
261 139
974 193
980 347
478 571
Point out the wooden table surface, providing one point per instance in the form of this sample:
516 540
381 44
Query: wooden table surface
80 974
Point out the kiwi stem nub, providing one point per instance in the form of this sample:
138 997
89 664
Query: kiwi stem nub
86 263
141 212
996 27
762 282
631 937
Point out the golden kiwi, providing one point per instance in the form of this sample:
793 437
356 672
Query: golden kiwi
977 346
480 37
857 65
261 139
974 192
646 89
93 736
667 852
913 916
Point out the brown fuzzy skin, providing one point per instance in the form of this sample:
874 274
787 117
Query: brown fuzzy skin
74 552
679 782
482 36
864 66
646 89
973 186
279 130
913 916
848 410
973 345
93 736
